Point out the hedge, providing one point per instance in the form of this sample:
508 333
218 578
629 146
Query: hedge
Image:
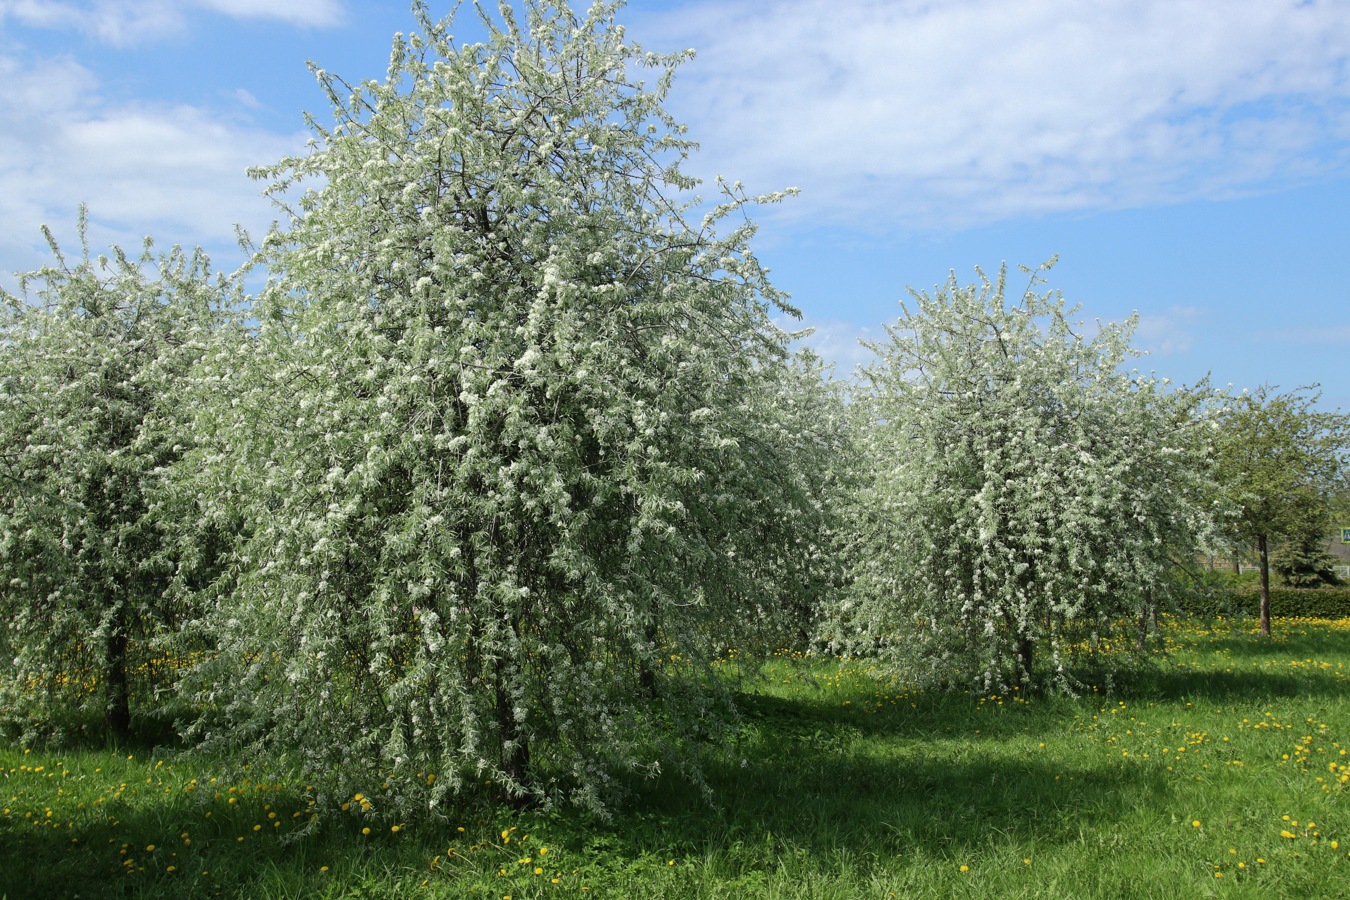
1285 602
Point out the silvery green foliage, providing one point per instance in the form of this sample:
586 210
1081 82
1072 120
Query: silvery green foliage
505 445
1028 495
92 356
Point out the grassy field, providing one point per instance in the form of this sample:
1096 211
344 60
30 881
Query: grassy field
1223 773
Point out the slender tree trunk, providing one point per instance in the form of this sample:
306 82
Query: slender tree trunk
1265 584
1026 650
117 712
646 674
1148 612
514 744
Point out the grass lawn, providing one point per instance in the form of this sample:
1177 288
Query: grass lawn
1223 773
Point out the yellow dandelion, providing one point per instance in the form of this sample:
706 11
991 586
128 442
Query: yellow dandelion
965 868
366 830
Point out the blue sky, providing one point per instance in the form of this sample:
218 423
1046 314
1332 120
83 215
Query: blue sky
1188 159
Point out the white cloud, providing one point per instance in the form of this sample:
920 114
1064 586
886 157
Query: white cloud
117 22
315 13
911 114
177 172
131 22
1169 332
837 342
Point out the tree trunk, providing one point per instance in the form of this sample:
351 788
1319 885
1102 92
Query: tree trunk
646 674
1025 656
514 744
1265 584
117 712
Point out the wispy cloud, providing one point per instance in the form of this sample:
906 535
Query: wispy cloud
1169 332
178 172
917 115
1312 334
837 342
312 13
131 22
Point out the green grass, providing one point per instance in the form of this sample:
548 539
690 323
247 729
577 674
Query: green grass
1220 774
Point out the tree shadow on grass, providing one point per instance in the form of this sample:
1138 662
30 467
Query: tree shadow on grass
186 848
811 780
1288 641
1239 686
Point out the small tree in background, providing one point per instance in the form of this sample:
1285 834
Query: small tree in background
508 443
93 357
1281 462
1028 497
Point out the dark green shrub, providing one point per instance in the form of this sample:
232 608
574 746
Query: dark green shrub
1285 602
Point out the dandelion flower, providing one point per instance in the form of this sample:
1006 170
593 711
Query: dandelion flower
965 868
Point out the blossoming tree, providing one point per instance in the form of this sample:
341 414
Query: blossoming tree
1027 495
93 358
504 441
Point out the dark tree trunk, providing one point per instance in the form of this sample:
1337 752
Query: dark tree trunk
1265 584
646 674
117 712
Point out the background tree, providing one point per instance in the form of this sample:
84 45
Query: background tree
1281 461
1027 498
505 442
94 357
